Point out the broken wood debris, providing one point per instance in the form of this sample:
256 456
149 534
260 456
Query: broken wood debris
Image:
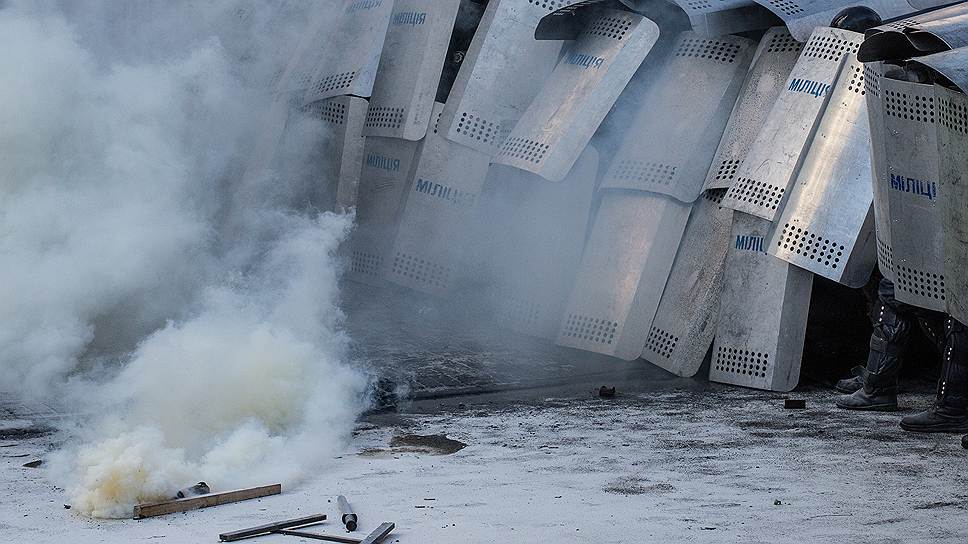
204 501
270 527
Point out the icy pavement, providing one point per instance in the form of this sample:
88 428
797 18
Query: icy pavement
714 464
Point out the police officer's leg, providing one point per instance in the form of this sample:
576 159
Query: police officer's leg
892 328
950 411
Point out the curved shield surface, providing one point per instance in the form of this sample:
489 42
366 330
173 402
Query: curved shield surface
763 313
911 150
953 65
921 34
410 67
530 242
623 271
776 154
880 177
827 225
343 153
501 74
774 59
383 184
953 151
347 64
591 74
804 16
435 220
685 320
681 117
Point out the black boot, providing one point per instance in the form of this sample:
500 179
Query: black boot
879 391
854 383
950 411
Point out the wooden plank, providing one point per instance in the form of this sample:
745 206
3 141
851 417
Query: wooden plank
270 527
379 534
314 536
204 501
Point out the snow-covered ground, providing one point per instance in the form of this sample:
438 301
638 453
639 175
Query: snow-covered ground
717 465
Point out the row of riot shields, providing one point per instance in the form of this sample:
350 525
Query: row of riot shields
644 189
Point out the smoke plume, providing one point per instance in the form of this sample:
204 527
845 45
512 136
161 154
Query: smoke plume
196 348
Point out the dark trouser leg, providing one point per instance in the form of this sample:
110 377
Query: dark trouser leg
950 411
892 327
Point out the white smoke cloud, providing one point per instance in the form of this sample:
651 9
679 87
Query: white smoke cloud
204 350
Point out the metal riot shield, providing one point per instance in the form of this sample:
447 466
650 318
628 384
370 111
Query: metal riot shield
763 313
623 270
685 321
803 16
349 55
953 65
591 74
772 63
410 67
880 177
953 149
438 206
343 151
681 117
911 149
776 154
922 34
529 243
501 74
827 225
383 183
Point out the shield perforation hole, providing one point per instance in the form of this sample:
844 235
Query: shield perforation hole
477 128
786 6
856 83
715 195
302 79
707 49
549 5
524 149
885 255
590 329
521 311
903 24
362 262
420 270
871 80
437 121
329 111
811 246
335 82
654 173
608 27
757 193
920 282
751 364
783 43
384 117
828 47
698 5
660 342
910 107
727 169
953 116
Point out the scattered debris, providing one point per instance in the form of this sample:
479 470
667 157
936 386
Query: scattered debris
375 537
204 501
434 443
346 513
21 433
606 392
67 507
270 527
794 404
777 502
201 488
34 464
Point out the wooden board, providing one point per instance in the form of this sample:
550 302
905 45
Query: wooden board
204 501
